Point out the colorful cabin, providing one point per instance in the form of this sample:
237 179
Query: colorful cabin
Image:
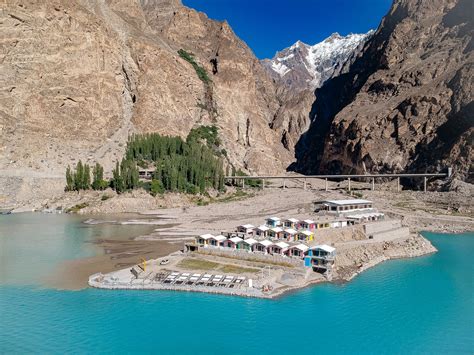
262 231
279 248
203 239
216 240
307 224
262 246
248 243
320 257
322 225
305 235
275 233
246 229
297 251
289 234
290 223
273 222
231 242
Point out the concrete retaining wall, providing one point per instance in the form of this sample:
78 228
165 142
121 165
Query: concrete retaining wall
381 226
244 255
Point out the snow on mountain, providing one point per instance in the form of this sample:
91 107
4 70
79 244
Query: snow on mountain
304 66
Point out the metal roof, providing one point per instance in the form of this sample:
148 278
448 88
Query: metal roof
347 202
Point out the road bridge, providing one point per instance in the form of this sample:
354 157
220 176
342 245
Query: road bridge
348 177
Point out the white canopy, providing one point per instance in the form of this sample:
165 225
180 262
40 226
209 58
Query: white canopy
292 220
277 229
324 247
308 221
290 231
282 245
263 228
206 236
306 232
250 241
273 219
235 240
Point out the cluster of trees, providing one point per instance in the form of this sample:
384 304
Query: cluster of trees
80 177
185 166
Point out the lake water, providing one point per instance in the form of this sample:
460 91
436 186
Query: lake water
421 305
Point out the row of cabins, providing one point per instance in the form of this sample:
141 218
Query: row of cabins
314 256
264 246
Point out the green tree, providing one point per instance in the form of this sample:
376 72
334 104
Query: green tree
156 187
98 182
69 179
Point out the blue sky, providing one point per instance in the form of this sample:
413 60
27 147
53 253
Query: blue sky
271 25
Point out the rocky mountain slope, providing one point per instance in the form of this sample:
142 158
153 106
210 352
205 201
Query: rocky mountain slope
405 103
305 67
79 76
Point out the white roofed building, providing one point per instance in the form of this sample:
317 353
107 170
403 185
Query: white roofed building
320 257
279 248
276 233
262 231
246 228
290 223
346 206
297 250
262 246
203 239
273 222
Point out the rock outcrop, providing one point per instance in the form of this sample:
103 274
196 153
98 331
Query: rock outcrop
405 103
79 76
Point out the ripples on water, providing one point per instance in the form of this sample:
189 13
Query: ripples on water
404 306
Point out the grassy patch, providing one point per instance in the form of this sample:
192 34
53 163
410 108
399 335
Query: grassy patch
77 207
198 264
232 269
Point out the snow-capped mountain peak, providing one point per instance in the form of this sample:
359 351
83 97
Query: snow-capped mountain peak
306 66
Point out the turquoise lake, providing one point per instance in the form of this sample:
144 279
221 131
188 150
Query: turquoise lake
411 306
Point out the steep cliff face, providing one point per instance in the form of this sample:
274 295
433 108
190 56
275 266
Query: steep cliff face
405 103
79 76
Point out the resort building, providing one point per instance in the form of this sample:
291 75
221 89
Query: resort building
246 229
289 234
322 225
276 233
290 223
247 244
203 239
345 206
216 240
262 246
279 248
307 224
297 250
232 242
261 231
320 257
305 235
273 222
